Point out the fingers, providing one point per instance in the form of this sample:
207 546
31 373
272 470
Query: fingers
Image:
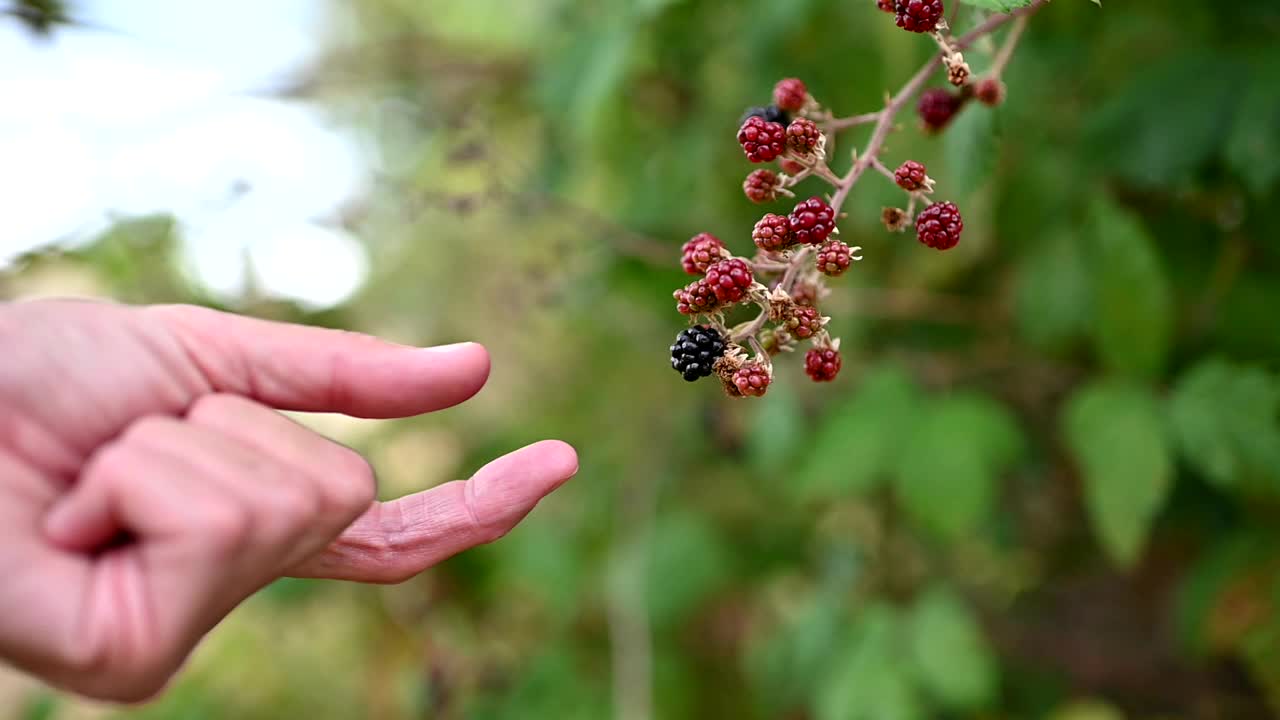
296 367
218 504
396 540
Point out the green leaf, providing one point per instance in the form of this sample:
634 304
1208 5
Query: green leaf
948 476
1226 419
1133 302
1172 118
777 429
1253 147
1228 560
1054 298
858 441
689 561
1114 431
999 5
870 681
952 658
785 665
970 149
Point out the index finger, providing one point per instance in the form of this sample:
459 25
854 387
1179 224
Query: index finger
298 367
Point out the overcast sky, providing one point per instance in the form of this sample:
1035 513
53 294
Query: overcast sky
162 111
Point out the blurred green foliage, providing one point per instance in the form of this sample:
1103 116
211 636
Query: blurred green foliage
1047 483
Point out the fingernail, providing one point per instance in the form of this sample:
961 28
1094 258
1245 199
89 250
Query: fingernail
447 348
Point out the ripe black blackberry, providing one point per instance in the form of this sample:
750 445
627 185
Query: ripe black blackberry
768 113
696 349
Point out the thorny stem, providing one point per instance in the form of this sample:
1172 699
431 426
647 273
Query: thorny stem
1006 50
839 124
880 168
883 119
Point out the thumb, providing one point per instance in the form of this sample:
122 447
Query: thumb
297 367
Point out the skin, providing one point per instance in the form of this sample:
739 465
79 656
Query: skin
148 485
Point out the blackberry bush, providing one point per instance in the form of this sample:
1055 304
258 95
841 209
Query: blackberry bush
796 253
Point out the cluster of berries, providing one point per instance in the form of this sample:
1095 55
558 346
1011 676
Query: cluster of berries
796 252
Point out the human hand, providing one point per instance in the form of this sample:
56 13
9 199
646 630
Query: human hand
147 485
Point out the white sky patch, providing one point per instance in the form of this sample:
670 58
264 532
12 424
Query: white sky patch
164 111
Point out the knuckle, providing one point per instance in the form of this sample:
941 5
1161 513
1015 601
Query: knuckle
114 462
216 406
485 529
147 428
224 525
354 486
295 503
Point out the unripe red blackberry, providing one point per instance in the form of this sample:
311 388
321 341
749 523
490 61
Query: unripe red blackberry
910 176
808 293
695 351
752 380
811 221
762 141
989 91
761 186
730 279
790 94
834 258
791 167
939 226
920 16
885 5
696 297
822 364
803 322
772 233
803 136
937 107
700 252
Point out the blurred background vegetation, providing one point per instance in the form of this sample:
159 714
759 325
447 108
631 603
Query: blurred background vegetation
1046 484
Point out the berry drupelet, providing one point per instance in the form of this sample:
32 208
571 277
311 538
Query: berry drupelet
920 16
791 167
803 136
822 364
937 107
761 140
695 351
761 186
752 380
811 221
730 279
910 176
804 322
834 258
701 252
696 297
939 226
772 233
790 94
990 91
